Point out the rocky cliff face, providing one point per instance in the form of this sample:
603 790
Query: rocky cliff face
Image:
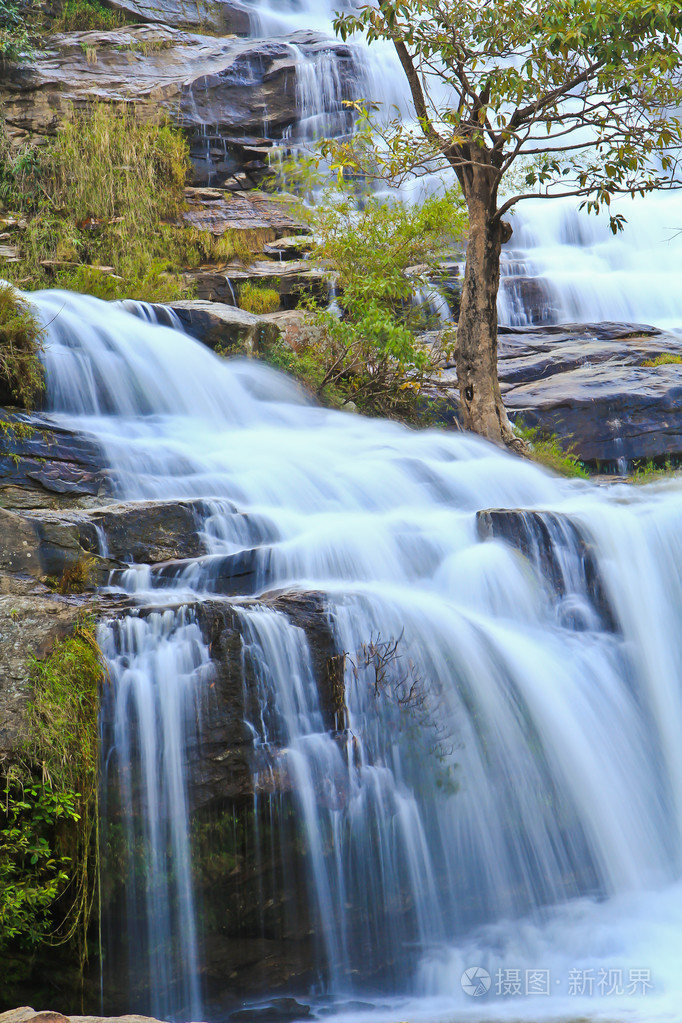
232 95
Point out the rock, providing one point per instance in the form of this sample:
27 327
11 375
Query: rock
144 532
20 1015
290 279
218 325
221 17
258 218
587 384
290 247
199 79
276 1011
48 466
562 556
28 1015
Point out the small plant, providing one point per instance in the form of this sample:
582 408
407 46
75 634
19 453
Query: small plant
156 285
547 450
258 300
21 343
76 577
666 359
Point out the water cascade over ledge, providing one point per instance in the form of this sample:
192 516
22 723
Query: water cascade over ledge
501 787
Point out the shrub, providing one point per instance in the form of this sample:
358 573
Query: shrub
258 300
381 254
77 577
21 342
16 18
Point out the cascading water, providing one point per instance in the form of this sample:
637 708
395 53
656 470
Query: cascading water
504 791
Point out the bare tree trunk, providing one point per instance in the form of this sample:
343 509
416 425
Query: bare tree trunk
483 411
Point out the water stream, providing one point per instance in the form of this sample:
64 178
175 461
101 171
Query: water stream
508 795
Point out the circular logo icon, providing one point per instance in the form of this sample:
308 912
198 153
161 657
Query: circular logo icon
476 982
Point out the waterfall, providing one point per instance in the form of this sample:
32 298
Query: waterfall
502 788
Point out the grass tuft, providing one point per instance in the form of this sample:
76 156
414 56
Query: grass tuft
547 450
86 16
21 342
666 359
255 299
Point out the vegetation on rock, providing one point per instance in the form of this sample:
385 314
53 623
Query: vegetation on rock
549 451
366 349
103 205
87 15
667 359
258 300
21 342
48 812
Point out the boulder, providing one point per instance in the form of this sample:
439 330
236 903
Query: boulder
586 383
290 279
222 326
257 218
44 465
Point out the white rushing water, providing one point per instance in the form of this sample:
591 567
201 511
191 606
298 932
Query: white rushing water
509 796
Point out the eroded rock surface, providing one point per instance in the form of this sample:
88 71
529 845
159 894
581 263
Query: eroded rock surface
587 384
208 85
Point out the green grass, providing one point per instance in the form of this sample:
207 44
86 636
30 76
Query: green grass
547 450
667 359
259 300
86 16
21 342
652 472
108 192
49 811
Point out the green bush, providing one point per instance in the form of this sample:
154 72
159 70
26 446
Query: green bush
381 253
21 342
16 18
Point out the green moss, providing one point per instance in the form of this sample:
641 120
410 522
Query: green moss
258 300
49 815
21 342
548 450
666 359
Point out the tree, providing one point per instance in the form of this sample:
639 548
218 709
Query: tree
576 95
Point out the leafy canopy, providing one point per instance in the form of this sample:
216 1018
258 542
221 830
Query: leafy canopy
581 91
